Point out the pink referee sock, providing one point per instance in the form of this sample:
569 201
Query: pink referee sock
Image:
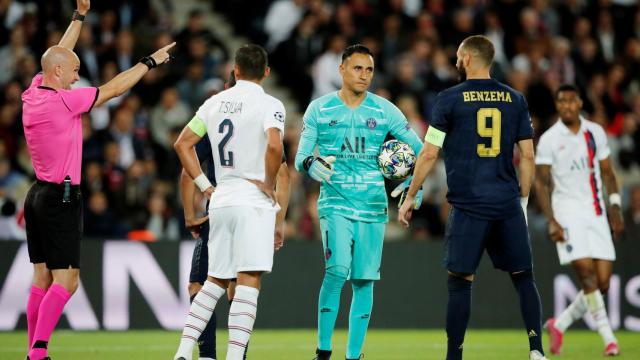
33 304
48 316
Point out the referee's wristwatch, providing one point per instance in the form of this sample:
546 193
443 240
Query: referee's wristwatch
149 61
77 16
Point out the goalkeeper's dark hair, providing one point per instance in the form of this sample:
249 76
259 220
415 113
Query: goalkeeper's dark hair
355 49
252 61
567 88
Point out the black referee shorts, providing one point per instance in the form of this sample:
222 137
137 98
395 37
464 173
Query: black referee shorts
54 228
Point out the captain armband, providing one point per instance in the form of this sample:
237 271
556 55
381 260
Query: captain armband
435 136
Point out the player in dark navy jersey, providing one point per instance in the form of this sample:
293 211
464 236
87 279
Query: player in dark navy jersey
477 124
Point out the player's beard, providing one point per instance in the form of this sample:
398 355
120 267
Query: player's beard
462 73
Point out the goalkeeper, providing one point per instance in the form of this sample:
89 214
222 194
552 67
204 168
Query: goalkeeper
349 126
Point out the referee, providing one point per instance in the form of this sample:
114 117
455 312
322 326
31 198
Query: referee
53 208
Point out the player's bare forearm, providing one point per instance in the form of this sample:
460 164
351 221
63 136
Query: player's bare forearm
72 33
272 157
282 192
609 176
543 190
527 166
186 151
426 160
128 78
187 192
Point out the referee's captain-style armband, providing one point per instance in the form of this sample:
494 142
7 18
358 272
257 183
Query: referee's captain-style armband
149 61
77 16
202 182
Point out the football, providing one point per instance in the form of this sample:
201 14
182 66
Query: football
396 160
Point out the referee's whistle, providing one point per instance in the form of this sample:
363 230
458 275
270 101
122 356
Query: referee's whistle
66 194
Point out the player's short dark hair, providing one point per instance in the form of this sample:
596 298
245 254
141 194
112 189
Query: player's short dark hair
567 88
355 49
482 46
252 61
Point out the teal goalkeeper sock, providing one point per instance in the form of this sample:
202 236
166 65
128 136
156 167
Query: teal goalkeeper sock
329 303
359 315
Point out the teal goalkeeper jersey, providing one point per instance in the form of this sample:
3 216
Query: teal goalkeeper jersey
354 136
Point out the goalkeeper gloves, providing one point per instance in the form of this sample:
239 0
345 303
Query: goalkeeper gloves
319 168
403 190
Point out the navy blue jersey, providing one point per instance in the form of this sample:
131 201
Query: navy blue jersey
483 120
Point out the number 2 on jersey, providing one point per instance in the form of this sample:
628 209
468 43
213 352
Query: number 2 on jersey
492 132
226 159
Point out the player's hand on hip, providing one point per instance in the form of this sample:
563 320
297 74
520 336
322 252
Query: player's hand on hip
320 168
405 213
556 232
83 6
208 192
270 191
162 55
616 221
195 225
402 190
278 241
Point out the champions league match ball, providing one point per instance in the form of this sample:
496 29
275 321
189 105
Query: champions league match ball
396 160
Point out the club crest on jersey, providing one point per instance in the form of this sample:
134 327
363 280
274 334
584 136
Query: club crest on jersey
327 254
279 116
333 122
372 123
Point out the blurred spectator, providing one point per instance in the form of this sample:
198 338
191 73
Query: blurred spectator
326 78
281 19
14 184
192 89
99 219
90 67
632 215
160 220
196 29
171 112
12 53
9 228
122 53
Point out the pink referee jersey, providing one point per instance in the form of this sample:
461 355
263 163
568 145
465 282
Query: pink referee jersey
53 129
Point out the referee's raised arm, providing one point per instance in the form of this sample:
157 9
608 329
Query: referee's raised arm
126 79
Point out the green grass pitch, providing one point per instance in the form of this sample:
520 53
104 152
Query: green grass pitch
300 344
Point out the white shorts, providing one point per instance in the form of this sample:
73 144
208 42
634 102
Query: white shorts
585 237
240 239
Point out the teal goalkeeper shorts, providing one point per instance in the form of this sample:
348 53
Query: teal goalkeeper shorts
355 245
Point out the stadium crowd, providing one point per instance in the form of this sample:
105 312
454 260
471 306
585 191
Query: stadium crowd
130 170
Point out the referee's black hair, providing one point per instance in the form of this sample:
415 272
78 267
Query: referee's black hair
355 49
567 87
252 61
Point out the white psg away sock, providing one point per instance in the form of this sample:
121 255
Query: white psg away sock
575 311
595 304
242 315
199 314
